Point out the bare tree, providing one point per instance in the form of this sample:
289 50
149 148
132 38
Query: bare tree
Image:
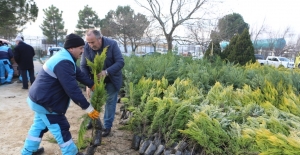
138 24
199 33
297 48
152 34
277 41
180 11
292 48
256 32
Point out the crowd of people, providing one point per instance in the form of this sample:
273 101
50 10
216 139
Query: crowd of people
51 90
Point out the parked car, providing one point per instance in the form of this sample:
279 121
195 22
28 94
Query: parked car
162 51
260 59
132 54
277 61
53 49
151 53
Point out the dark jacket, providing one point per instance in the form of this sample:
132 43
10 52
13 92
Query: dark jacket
114 61
54 89
5 52
23 54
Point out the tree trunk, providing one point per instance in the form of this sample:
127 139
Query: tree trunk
134 48
154 47
125 47
125 44
169 42
56 42
170 46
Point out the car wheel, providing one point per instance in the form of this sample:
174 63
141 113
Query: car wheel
299 65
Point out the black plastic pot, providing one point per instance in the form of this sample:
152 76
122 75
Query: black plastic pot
91 150
136 142
144 146
187 152
150 150
167 152
181 146
178 153
159 150
97 138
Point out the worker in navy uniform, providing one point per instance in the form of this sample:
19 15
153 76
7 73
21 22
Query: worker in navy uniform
49 97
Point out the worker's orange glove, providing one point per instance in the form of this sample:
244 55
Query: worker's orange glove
93 88
92 112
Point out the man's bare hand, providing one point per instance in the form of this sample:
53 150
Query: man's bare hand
102 74
88 92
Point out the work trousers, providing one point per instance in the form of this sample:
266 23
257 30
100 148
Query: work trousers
25 79
58 125
6 66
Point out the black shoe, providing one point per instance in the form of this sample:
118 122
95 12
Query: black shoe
105 132
39 151
8 83
19 81
24 88
79 153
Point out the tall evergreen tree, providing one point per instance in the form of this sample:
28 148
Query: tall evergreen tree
124 25
244 48
243 51
53 25
14 14
228 26
136 32
87 19
104 24
230 49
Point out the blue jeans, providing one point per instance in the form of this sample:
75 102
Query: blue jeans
110 106
5 66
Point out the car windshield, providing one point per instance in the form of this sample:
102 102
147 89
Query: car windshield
284 59
55 49
259 56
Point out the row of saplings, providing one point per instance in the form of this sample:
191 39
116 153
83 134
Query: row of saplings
178 119
155 145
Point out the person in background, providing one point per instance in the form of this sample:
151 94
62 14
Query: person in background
49 97
23 54
20 76
112 72
50 51
5 55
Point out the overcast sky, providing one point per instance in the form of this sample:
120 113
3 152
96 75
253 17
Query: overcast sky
278 14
